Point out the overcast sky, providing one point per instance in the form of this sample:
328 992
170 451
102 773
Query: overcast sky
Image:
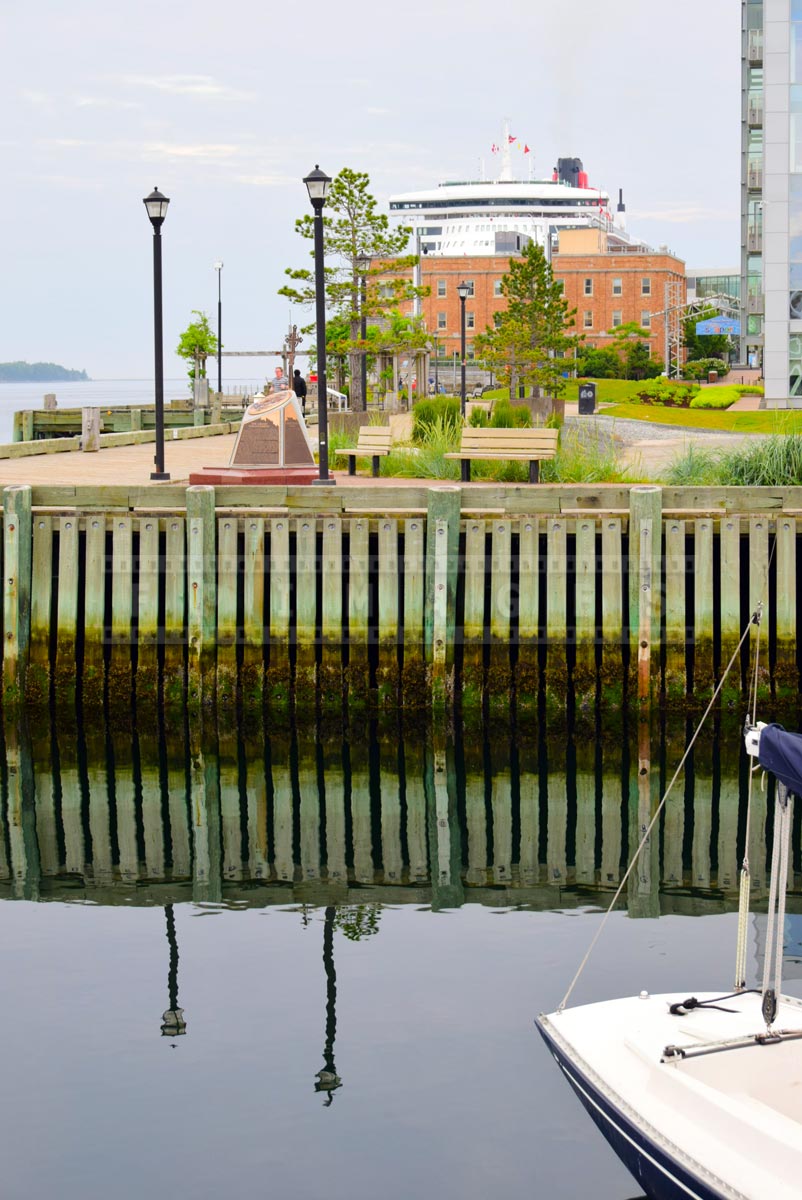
226 107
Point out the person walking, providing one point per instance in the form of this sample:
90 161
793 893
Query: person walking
299 387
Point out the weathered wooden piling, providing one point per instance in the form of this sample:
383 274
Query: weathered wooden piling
228 577
675 678
613 636
499 667
557 678
201 591
731 617
645 590
331 617
413 675
703 664
67 618
358 670
527 675
388 678
175 598
16 567
253 619
37 690
442 554
307 562
472 682
585 575
786 667
278 671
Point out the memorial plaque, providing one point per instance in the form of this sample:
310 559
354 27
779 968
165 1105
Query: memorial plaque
273 434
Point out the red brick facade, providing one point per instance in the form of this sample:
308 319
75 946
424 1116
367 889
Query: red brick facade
606 289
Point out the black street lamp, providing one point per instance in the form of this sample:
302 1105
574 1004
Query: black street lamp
436 366
317 184
173 1023
218 266
463 290
156 205
327 1079
363 266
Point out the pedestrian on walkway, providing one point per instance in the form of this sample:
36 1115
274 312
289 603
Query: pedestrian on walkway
299 387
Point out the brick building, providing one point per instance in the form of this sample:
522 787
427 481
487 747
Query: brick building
606 287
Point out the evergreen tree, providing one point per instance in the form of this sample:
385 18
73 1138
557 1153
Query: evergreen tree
529 335
352 228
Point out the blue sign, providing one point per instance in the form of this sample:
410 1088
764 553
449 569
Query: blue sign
718 325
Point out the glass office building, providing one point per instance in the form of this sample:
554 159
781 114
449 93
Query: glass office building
771 195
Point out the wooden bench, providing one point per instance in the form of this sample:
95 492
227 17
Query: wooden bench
374 442
519 445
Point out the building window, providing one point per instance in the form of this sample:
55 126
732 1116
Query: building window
442 320
441 287
469 284
646 286
441 350
646 319
587 322
470 320
588 287
497 288
386 291
618 318
470 353
618 287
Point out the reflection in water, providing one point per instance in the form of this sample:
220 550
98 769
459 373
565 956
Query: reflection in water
529 823
328 1080
173 1023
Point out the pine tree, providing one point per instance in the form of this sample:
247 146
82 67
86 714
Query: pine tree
352 228
528 336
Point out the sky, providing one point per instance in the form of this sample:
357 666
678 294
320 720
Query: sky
225 107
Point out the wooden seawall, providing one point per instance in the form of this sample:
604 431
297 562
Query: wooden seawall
396 596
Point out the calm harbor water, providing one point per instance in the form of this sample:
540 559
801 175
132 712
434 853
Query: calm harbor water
358 936
109 392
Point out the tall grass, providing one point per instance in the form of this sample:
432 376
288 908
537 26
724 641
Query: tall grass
585 462
427 459
696 467
765 462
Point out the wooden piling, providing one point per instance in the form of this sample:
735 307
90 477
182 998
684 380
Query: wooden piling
786 668
759 591
175 599
306 572
387 669
331 624
358 672
147 646
120 679
645 580
703 666
613 637
201 592
473 623
731 618
585 622
38 681
413 675
228 575
93 679
526 668
253 631
556 618
67 617
499 668
676 635
442 553
278 670
17 531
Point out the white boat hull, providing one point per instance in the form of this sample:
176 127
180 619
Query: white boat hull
714 1124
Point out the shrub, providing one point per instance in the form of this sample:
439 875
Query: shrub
426 413
510 416
748 389
699 368
715 397
666 392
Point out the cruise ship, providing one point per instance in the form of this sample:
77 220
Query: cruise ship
499 216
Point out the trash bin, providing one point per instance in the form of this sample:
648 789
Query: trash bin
712 376
587 399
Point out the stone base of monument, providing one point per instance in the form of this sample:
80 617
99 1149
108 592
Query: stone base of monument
255 476
272 446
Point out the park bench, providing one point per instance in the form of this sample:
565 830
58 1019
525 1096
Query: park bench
520 445
374 442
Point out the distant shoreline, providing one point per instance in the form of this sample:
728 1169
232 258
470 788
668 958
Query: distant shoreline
40 372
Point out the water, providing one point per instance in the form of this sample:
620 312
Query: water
94 392
392 913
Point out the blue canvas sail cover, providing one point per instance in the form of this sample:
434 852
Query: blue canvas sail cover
781 754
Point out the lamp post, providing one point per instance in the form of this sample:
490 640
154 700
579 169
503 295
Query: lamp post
218 266
156 205
317 184
363 266
462 291
173 1023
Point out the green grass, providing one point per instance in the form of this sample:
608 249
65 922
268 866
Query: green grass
776 421
766 462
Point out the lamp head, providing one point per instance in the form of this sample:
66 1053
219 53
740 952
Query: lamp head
156 204
218 266
362 262
463 291
317 184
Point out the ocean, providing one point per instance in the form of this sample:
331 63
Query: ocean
102 392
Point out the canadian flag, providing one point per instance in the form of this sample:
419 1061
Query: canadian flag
511 139
526 149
